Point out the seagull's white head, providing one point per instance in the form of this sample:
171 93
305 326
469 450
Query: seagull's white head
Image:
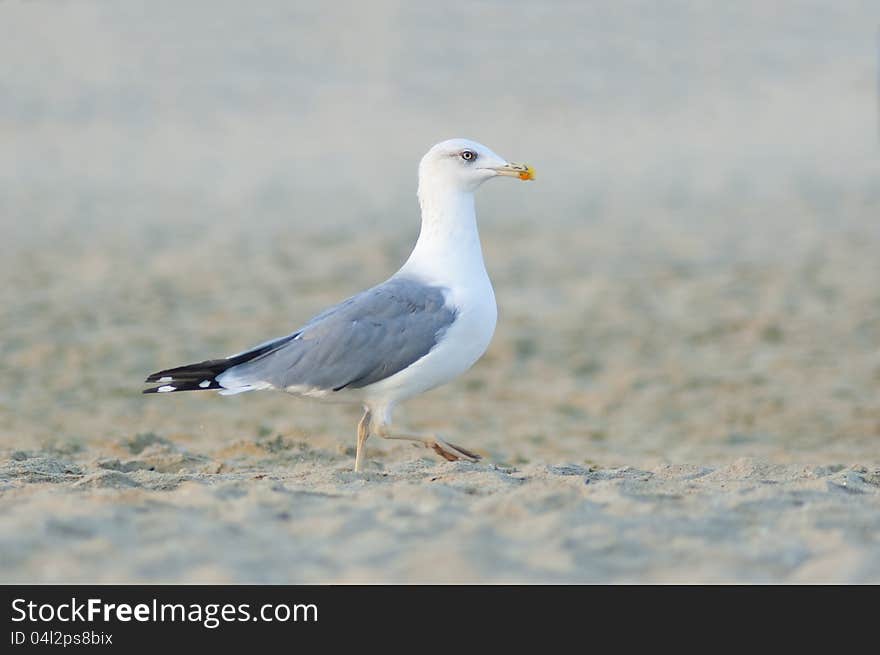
464 165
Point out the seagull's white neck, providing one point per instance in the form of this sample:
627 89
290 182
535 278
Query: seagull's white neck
448 250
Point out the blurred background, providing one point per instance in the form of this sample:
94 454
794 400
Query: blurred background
693 276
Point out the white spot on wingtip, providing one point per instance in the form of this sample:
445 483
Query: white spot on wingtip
204 384
165 379
166 389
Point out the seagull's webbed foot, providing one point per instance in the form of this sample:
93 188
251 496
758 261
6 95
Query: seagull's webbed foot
446 450
450 451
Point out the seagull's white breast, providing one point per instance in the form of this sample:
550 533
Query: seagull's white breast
447 255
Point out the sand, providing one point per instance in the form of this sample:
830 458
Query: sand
684 385
288 513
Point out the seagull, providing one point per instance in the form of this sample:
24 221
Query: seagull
425 325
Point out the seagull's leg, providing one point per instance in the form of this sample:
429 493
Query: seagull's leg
445 449
363 435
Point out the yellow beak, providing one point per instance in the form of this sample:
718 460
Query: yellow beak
522 171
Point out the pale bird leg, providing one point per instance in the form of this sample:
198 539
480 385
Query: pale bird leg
445 449
363 435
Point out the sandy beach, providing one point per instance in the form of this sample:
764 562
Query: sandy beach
163 516
684 385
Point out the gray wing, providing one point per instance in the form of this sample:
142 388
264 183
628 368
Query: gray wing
362 340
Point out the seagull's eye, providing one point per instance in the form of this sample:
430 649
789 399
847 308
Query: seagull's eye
468 155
